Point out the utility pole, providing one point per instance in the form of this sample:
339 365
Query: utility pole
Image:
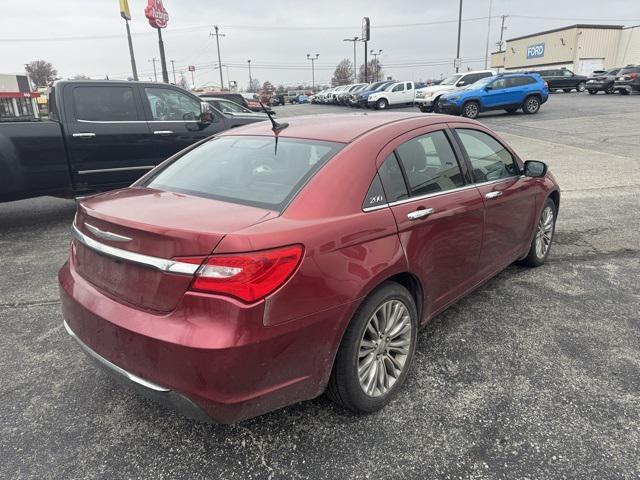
250 79
486 50
173 68
502 29
375 62
218 35
457 60
155 73
313 74
355 71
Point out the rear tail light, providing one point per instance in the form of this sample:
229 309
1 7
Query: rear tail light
633 76
247 276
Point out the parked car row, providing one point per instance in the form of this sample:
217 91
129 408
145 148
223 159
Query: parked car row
378 95
622 80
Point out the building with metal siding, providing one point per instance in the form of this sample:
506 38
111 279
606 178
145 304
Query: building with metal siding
580 48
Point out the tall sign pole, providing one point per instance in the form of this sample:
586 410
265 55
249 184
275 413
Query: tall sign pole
457 60
313 72
486 50
366 34
158 19
126 14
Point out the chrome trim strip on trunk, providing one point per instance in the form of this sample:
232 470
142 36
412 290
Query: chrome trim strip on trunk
112 366
114 237
161 264
119 169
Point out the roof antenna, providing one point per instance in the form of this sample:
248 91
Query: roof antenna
275 126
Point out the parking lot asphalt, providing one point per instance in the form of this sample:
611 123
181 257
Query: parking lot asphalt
534 375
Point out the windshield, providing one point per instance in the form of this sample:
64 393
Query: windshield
382 86
246 169
227 106
482 82
450 80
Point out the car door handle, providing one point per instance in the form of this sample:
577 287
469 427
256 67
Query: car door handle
418 214
163 132
84 135
493 194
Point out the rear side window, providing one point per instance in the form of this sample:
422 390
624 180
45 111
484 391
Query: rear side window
519 81
430 164
489 159
392 180
398 88
104 103
246 170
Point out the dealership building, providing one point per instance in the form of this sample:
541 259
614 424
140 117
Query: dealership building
579 48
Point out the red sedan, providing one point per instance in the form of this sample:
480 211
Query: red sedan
255 270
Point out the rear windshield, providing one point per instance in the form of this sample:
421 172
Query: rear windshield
247 170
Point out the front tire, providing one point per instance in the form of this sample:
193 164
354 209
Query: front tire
376 351
610 90
471 110
531 105
545 230
581 87
382 104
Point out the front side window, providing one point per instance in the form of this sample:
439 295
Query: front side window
104 103
430 164
171 105
490 160
567 73
246 170
499 84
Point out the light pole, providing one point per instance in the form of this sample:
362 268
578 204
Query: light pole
375 61
218 35
457 61
250 79
486 50
313 73
173 68
355 71
155 74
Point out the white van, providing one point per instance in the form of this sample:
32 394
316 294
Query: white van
399 93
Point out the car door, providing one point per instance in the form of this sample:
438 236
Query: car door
173 120
106 135
508 195
438 212
396 95
495 95
409 92
568 79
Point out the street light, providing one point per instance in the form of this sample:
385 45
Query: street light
250 80
354 40
375 61
313 73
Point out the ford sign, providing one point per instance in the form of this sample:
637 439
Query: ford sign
535 51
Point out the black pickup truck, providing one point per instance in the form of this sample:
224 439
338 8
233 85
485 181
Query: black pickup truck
102 135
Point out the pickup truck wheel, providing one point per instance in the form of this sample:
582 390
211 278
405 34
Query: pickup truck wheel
610 90
531 105
471 109
382 104
581 87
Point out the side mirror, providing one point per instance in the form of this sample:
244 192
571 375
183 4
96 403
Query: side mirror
488 87
535 168
462 83
207 116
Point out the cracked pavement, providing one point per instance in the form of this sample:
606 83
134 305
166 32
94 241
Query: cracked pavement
534 375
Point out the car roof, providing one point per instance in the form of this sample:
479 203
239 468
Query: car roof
340 128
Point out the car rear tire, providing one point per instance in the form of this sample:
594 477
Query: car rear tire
592 92
542 239
376 351
610 90
382 104
531 105
511 111
471 110
426 109
581 87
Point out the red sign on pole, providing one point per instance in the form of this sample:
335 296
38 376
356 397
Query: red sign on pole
156 13
192 68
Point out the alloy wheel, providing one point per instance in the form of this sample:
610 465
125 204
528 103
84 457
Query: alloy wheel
384 348
532 104
545 232
581 87
471 110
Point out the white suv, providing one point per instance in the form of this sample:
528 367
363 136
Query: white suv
427 97
399 93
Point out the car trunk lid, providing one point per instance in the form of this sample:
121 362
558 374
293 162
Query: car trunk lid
126 239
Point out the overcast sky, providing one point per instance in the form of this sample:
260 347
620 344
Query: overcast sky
285 32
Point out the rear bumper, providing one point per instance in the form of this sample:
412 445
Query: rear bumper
628 86
210 358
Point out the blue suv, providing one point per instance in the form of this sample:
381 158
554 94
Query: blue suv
502 92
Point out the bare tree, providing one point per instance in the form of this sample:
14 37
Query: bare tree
343 73
41 72
81 76
254 85
375 72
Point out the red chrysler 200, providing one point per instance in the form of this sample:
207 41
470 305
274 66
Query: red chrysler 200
266 266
